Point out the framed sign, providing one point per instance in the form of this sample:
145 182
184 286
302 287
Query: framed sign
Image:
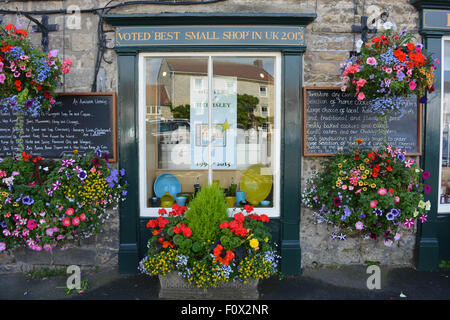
82 121
332 119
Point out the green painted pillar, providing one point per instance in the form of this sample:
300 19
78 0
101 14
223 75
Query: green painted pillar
291 151
128 151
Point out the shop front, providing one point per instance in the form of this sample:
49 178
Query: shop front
434 240
249 68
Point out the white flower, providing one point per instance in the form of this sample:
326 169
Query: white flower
389 25
427 205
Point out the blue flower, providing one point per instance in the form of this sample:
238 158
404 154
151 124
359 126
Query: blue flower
378 212
390 216
27 200
401 157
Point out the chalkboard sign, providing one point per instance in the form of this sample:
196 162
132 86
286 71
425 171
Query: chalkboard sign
82 121
332 119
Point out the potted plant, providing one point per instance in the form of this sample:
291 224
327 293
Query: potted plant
45 203
201 252
389 68
371 193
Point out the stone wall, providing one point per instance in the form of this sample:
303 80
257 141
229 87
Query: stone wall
329 40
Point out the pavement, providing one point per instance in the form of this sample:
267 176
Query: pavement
330 283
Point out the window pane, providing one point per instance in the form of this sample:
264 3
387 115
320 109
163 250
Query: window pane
170 90
243 127
445 173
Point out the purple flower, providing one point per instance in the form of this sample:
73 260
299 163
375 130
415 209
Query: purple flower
396 212
342 236
82 174
378 212
427 189
390 216
27 200
401 157
423 99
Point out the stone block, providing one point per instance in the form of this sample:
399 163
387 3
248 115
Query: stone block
75 256
28 256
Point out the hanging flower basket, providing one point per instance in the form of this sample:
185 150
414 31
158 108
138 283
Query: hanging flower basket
28 76
201 252
370 193
387 69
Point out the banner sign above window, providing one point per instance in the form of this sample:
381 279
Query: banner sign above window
436 19
210 35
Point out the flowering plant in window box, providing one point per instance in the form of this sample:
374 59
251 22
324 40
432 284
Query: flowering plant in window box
389 68
45 203
28 76
236 250
369 192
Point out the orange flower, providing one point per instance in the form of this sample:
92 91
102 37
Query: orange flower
359 141
410 46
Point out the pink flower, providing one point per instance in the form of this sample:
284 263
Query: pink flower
388 242
359 225
16 74
344 187
361 96
373 203
70 211
388 70
32 184
2 77
409 222
2 246
361 82
31 224
76 221
68 62
82 217
66 222
412 85
28 74
371 61
423 218
22 67
49 232
397 236
1 66
382 191
396 199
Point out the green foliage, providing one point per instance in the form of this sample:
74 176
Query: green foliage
206 211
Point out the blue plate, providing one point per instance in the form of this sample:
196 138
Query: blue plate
167 182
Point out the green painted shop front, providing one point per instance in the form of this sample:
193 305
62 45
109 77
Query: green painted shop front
434 236
284 227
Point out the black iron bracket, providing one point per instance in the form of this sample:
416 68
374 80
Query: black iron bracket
43 27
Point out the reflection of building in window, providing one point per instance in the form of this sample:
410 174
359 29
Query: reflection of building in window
264 112
263 91
156 96
252 79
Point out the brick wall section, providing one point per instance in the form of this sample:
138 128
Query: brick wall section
329 40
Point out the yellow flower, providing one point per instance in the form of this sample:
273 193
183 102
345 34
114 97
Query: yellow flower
266 239
365 189
373 185
361 167
364 176
366 160
360 183
340 165
366 171
254 243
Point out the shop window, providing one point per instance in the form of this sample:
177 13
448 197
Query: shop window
444 205
189 143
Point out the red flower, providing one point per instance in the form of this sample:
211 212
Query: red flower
391 191
162 222
371 156
21 32
264 218
96 162
239 217
38 158
162 211
47 94
152 224
389 168
337 201
10 27
356 156
224 225
66 222
26 157
218 250
248 208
